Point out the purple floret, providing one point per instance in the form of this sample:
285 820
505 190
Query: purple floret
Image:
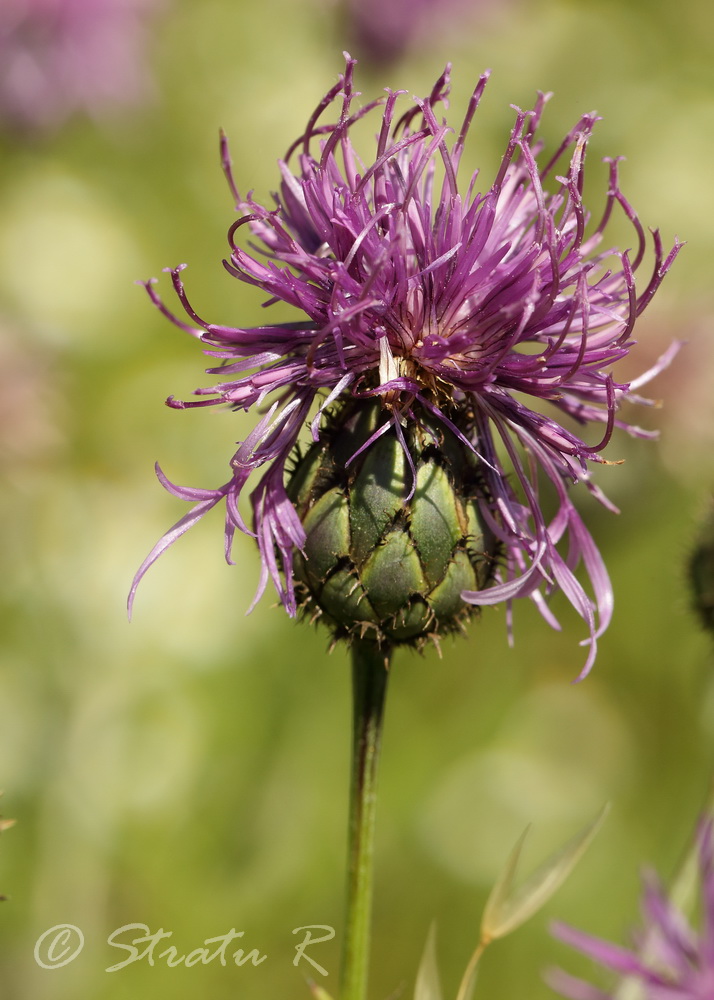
670 960
439 300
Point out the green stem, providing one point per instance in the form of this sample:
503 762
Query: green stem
369 680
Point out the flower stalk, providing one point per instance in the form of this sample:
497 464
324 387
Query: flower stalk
370 672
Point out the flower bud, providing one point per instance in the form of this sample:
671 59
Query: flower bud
390 543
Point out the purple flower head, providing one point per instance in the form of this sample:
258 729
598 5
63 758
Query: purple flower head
470 309
670 960
62 56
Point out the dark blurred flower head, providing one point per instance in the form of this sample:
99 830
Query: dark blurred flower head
58 57
701 570
670 960
470 312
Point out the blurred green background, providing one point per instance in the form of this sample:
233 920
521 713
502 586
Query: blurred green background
189 771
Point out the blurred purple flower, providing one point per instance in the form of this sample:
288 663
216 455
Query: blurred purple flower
382 31
58 57
469 308
670 960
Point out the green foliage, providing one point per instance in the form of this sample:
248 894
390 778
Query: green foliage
508 908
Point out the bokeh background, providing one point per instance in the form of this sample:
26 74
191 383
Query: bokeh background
189 771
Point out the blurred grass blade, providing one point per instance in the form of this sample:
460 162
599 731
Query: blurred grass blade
428 986
468 983
685 885
317 991
507 908
498 900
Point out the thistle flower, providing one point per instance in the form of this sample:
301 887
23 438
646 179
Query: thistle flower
62 56
670 960
459 313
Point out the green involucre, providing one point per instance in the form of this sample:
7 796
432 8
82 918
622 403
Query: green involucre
376 563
